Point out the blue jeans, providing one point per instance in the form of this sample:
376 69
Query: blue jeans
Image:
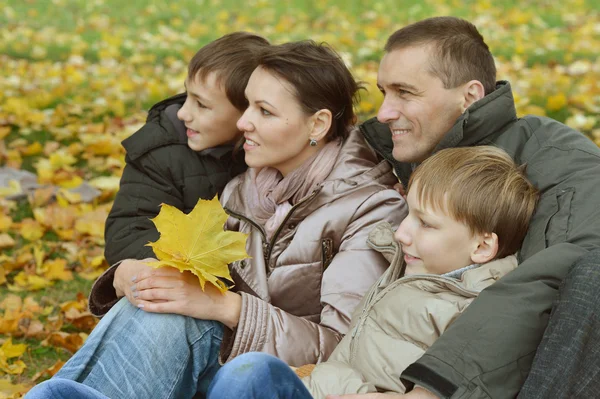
136 354
59 388
257 376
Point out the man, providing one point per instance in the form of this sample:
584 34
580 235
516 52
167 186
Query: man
439 83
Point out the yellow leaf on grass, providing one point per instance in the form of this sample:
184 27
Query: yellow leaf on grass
56 270
6 241
5 222
14 187
197 242
10 390
31 230
9 350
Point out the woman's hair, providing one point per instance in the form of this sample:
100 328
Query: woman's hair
481 187
233 58
320 80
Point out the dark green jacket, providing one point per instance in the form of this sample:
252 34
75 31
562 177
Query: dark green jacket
160 168
488 351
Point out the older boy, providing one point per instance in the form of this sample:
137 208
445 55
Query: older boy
468 207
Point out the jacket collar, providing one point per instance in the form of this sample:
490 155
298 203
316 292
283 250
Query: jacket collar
357 165
482 121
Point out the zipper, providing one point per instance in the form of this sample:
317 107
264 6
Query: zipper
270 245
374 298
254 224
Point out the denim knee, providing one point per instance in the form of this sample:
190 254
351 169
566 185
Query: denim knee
59 388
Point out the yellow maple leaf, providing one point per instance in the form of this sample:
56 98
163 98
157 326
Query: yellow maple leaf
9 350
197 242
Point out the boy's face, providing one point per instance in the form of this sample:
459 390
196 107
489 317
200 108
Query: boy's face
432 241
208 115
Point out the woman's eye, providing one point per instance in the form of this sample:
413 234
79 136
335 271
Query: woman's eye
265 112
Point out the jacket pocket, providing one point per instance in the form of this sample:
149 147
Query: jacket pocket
326 252
558 226
550 223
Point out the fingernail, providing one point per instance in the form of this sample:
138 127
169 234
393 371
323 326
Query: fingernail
133 278
133 287
141 306
136 294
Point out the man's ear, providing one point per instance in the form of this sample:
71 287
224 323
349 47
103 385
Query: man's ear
486 249
472 91
321 122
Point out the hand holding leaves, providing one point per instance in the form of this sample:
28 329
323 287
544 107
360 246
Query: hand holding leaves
196 242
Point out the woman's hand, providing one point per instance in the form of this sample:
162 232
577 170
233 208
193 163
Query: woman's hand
126 273
167 290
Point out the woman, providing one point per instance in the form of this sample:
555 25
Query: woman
313 191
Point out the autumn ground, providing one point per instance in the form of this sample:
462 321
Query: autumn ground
76 77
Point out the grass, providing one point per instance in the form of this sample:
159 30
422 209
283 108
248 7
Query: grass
151 43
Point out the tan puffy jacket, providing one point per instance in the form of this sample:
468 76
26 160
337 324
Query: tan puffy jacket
299 290
398 319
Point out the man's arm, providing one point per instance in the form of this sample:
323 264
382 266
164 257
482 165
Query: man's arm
488 351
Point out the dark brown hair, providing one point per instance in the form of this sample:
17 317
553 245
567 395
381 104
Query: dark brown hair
320 79
233 58
481 187
458 53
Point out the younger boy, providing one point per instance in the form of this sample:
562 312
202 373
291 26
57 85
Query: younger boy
469 210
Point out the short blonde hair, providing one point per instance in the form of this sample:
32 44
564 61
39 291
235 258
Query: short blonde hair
481 187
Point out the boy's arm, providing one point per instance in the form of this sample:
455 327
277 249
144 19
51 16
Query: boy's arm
144 186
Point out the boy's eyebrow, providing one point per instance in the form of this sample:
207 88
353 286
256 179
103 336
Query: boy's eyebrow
197 95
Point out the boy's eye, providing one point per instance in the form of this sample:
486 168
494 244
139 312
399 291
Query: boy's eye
265 112
424 224
201 105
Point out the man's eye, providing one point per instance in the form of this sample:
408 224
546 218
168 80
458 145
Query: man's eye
265 112
402 91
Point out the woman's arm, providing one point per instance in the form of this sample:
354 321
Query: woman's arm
296 340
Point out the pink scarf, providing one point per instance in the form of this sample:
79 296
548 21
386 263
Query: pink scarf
270 195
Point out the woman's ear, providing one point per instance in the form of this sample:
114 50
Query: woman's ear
486 250
472 91
321 122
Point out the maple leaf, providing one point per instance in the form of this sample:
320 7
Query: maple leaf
197 242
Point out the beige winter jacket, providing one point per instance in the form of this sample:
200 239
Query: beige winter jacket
299 290
397 321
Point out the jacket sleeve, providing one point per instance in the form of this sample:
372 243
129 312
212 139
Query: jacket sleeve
144 186
297 341
489 350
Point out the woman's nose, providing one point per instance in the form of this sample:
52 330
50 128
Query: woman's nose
243 124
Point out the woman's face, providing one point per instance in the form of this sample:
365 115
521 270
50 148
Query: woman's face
208 115
276 129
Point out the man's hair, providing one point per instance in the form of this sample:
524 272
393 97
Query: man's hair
481 187
320 80
458 52
233 58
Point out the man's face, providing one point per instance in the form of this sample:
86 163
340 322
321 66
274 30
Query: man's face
416 106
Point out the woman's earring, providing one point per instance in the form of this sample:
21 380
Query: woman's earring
312 142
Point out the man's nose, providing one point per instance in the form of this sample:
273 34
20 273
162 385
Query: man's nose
388 111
